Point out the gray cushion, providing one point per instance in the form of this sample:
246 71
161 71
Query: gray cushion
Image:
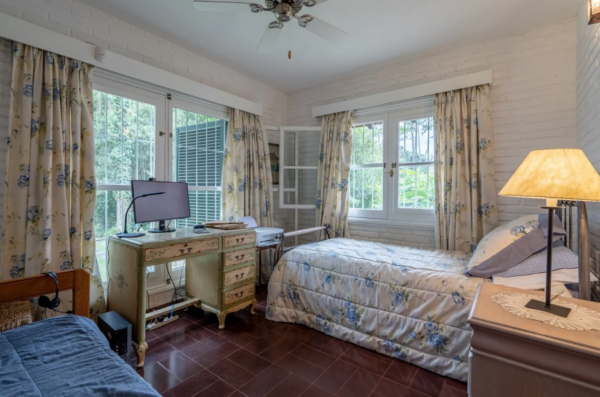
520 250
562 258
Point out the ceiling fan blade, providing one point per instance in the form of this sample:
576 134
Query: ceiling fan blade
221 6
269 39
312 3
323 29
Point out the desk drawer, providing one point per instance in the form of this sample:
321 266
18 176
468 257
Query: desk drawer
239 240
239 275
177 250
238 294
237 257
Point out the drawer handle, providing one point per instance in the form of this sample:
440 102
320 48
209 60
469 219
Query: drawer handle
239 294
239 276
239 257
240 240
182 251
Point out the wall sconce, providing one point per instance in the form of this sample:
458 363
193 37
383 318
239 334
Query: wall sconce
594 11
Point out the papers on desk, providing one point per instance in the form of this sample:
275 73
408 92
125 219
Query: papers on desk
249 221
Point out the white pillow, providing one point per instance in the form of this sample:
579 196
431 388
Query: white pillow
501 237
538 281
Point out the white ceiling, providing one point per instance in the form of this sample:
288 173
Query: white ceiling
380 30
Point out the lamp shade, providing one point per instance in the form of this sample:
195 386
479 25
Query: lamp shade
594 11
558 174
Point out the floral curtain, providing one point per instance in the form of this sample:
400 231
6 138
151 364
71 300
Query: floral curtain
247 182
465 193
333 197
50 179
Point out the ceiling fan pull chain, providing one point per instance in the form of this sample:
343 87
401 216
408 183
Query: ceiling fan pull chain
290 52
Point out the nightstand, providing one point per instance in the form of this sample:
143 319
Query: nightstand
516 357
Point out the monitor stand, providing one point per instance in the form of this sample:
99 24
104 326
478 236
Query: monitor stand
162 228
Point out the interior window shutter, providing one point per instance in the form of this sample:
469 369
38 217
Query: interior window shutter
199 162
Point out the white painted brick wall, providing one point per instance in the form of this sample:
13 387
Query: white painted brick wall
588 117
533 101
86 23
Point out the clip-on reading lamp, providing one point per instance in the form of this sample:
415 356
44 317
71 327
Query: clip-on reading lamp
125 234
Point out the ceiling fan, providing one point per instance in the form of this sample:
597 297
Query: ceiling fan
285 11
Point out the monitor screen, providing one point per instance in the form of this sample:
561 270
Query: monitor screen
174 204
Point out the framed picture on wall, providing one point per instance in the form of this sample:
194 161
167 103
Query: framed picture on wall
274 155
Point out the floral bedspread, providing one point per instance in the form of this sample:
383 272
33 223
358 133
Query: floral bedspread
408 303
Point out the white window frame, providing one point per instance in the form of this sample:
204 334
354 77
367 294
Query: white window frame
296 167
365 213
155 278
391 213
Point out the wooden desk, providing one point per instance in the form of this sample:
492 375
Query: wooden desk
220 274
517 357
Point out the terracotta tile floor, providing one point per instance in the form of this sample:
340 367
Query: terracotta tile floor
254 357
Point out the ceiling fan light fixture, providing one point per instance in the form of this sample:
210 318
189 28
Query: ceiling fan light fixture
284 12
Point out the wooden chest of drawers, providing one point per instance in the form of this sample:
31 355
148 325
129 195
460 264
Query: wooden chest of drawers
226 285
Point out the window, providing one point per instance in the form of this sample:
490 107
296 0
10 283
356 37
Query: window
124 138
131 142
415 163
392 168
366 171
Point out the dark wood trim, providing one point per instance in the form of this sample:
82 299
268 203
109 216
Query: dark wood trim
32 287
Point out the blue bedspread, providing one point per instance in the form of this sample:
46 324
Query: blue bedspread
64 356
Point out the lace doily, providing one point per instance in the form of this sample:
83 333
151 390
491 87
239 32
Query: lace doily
580 318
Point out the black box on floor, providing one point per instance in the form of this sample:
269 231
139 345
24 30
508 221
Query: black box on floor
118 332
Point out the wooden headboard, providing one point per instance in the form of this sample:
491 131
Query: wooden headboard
32 287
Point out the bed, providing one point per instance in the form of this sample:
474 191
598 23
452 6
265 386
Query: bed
407 303
62 356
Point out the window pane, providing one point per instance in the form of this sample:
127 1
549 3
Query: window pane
366 184
416 144
416 187
367 143
124 139
366 189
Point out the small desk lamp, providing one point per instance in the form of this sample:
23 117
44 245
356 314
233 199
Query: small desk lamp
556 174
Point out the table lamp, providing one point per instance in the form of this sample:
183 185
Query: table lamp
555 174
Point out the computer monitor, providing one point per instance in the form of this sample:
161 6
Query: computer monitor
174 204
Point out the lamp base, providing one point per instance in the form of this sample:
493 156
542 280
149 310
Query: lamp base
559 311
130 235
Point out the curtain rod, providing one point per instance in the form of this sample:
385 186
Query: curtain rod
402 94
